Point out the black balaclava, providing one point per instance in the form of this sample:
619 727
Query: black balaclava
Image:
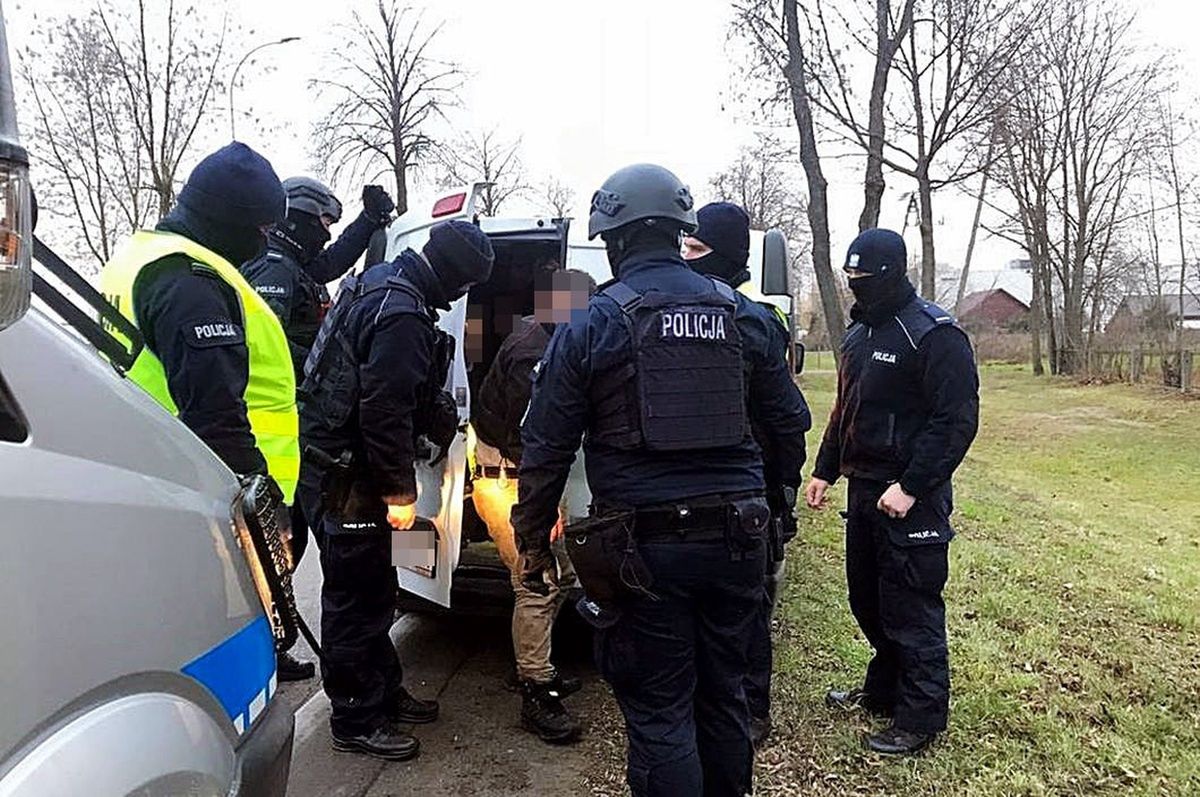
645 238
227 200
302 233
725 228
459 256
882 255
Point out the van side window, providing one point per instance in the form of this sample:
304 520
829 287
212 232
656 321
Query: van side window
13 428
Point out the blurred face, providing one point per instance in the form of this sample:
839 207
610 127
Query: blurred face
473 335
693 248
326 222
559 296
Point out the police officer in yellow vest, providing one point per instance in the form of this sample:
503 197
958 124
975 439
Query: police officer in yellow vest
215 355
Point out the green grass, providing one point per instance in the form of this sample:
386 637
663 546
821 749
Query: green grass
1072 606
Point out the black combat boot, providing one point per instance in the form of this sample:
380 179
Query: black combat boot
897 741
387 742
407 709
857 699
543 713
289 668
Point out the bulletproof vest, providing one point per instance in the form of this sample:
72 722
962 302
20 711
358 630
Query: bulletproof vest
331 370
684 387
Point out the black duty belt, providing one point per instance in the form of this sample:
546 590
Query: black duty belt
692 523
494 472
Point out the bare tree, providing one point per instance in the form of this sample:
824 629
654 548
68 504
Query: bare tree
559 197
117 101
1075 133
387 89
762 180
783 59
486 157
834 88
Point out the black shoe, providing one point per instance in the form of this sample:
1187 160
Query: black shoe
760 730
897 741
856 699
543 713
563 686
409 710
386 742
289 668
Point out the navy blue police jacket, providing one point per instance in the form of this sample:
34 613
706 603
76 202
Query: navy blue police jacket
393 337
907 403
560 408
295 289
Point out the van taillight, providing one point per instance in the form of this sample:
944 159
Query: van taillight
449 205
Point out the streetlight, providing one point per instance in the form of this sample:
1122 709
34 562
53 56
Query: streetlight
233 82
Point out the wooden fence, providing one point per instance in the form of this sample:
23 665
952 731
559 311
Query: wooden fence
1171 369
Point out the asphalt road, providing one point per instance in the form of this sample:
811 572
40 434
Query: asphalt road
477 747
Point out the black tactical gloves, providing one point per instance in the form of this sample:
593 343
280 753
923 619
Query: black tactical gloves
377 205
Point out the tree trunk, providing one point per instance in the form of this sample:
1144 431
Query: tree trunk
886 46
1036 315
1051 332
966 269
401 174
818 200
928 270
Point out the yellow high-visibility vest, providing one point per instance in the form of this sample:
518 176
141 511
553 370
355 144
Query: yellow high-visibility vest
748 290
271 388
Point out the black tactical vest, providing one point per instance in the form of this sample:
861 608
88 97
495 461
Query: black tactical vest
331 371
684 387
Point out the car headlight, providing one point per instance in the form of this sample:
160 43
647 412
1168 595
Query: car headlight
262 526
16 241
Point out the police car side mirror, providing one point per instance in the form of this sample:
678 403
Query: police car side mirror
775 261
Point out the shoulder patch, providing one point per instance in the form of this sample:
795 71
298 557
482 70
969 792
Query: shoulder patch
211 332
938 315
204 270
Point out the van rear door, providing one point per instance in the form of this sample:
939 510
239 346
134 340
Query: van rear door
441 487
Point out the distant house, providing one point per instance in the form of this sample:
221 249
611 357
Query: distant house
992 309
1141 313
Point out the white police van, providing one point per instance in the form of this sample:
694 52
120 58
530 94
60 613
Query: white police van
468 575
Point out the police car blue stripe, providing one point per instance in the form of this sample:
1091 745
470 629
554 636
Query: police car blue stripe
239 670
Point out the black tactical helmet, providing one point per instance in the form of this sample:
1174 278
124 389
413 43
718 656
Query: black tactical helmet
641 191
313 197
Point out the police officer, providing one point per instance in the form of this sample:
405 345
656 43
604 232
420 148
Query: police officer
906 412
290 276
720 248
665 384
374 394
215 355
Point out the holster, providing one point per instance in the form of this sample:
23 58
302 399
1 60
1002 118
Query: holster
605 557
346 493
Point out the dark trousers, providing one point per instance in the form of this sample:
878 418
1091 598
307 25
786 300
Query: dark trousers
361 671
677 666
761 654
895 572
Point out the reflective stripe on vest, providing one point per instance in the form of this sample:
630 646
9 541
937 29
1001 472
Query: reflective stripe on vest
271 388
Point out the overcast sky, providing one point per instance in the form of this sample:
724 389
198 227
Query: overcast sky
589 86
